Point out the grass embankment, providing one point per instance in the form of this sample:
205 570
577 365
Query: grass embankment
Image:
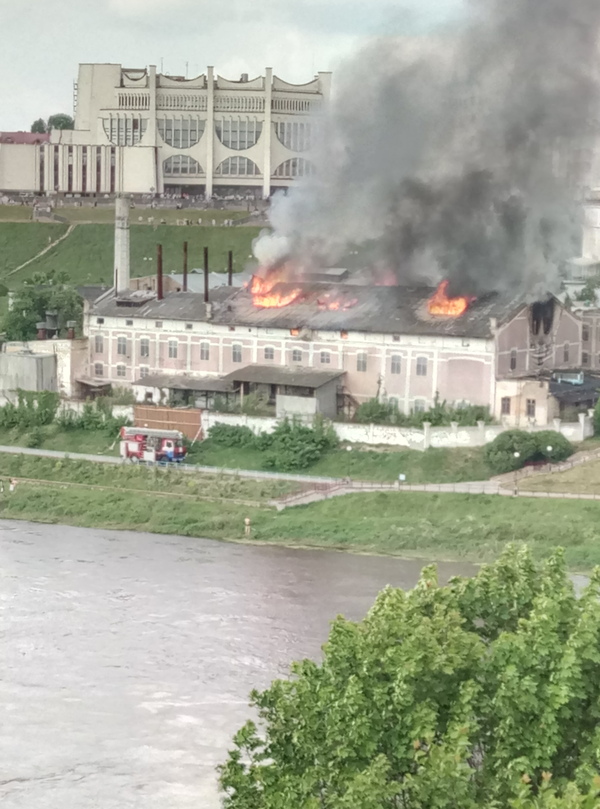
583 479
440 526
21 241
91 442
87 255
432 466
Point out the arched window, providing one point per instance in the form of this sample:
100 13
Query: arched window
237 167
181 131
237 132
125 130
181 164
294 135
295 167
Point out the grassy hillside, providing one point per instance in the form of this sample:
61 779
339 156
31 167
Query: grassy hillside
20 241
87 254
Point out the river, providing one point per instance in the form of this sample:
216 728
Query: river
127 658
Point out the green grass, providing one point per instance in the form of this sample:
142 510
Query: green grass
436 526
105 214
21 241
583 479
87 255
431 466
85 441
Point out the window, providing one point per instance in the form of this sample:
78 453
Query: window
513 360
144 371
98 369
396 338
421 367
531 408
585 358
396 364
189 325
269 353
505 405
144 347
158 324
393 402
237 167
295 167
361 362
585 333
294 136
181 165
99 320
238 133
236 353
296 355
124 130
204 351
419 406
122 345
566 352
129 322
325 357
172 349
121 370
181 132
99 344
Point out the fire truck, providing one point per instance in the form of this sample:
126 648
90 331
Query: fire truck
140 445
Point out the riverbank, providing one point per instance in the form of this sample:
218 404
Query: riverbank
450 526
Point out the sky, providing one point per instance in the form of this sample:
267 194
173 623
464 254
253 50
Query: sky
43 41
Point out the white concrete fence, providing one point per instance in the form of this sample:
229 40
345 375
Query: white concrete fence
411 437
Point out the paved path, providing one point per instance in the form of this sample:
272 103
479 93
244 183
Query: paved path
321 488
44 251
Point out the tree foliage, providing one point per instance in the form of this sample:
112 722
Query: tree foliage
500 453
60 121
39 126
44 292
481 693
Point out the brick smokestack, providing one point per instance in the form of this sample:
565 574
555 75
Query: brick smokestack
121 268
230 268
206 296
159 273
185 266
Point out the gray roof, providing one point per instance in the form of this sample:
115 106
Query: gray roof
215 279
395 310
208 383
282 375
91 292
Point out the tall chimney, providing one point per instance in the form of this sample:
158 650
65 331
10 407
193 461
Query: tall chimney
185 266
206 275
230 268
159 273
121 269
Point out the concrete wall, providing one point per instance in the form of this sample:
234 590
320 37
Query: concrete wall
70 355
410 438
302 406
32 372
18 167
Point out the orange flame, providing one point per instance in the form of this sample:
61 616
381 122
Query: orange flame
336 304
441 304
263 295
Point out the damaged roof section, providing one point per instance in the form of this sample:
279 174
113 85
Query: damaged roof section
381 309
281 375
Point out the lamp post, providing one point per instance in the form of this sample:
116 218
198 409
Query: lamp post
516 456
548 451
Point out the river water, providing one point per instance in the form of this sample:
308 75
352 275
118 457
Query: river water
126 659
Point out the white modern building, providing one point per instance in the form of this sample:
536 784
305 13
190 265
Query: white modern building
141 132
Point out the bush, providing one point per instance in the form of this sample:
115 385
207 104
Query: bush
293 446
441 414
230 435
34 438
500 454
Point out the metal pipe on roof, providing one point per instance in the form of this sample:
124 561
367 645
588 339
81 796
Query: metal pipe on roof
230 268
185 266
206 275
159 273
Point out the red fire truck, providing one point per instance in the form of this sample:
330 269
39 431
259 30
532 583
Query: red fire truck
139 444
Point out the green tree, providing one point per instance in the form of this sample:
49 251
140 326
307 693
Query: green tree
39 126
44 292
484 693
60 121
501 454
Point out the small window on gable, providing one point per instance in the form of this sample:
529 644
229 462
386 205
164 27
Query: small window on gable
513 360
